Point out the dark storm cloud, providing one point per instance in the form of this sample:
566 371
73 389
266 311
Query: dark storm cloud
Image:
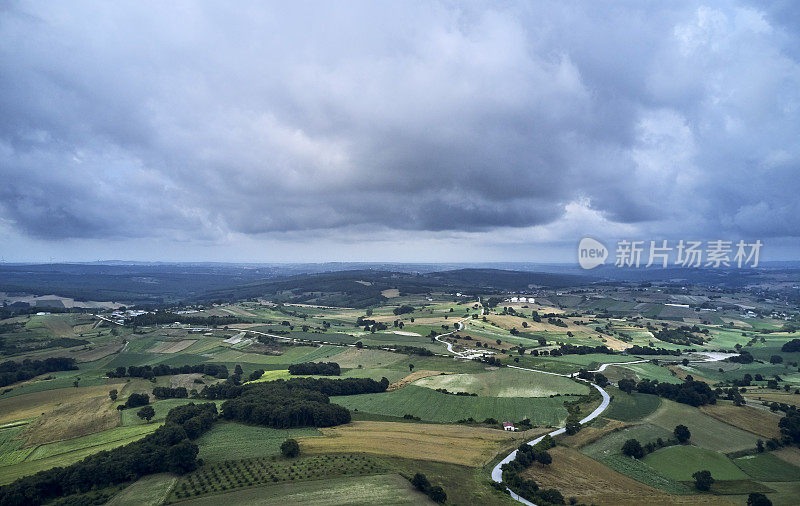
194 120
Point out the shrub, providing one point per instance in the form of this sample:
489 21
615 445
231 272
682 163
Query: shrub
290 448
703 480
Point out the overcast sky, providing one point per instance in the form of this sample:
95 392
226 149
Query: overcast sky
398 130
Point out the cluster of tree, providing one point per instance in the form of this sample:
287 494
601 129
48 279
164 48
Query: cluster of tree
170 393
693 393
12 372
597 377
558 322
134 401
491 360
298 402
744 357
404 309
275 405
319 368
166 317
791 346
364 322
148 371
790 426
436 493
525 487
732 394
648 350
168 449
682 335
571 349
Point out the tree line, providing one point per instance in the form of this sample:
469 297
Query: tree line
169 448
170 393
691 392
148 371
318 368
13 372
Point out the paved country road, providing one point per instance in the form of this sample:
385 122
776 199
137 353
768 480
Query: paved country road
497 473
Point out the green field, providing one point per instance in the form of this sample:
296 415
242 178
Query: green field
63 453
631 407
505 382
611 444
681 461
379 489
229 441
434 406
707 432
146 491
642 371
644 473
767 467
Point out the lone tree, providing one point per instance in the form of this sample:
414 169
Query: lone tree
146 413
113 394
600 379
290 448
758 499
411 367
633 448
682 433
703 480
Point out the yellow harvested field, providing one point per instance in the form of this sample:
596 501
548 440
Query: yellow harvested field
23 407
472 446
411 378
172 346
508 322
764 394
576 475
615 344
391 293
757 421
75 419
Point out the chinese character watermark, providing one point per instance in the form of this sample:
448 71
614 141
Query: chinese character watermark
713 254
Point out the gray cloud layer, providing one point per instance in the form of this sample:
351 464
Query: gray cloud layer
194 120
